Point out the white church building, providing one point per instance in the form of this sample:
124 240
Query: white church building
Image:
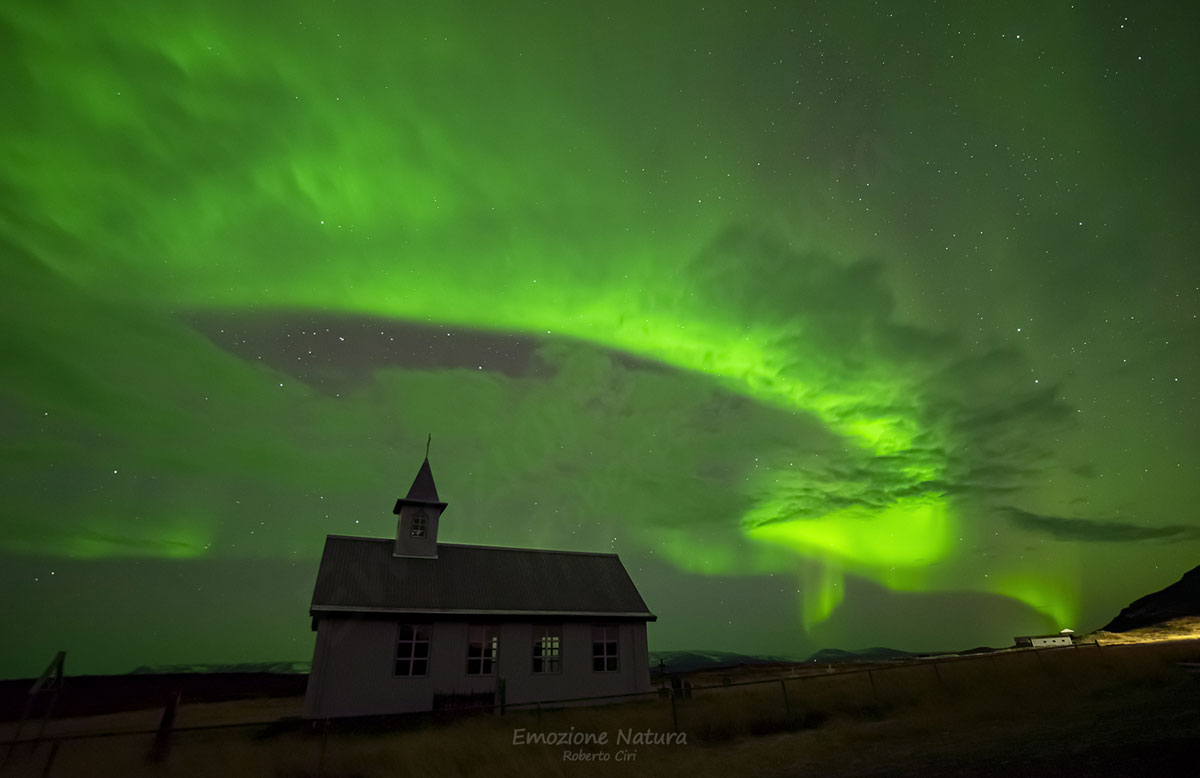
409 624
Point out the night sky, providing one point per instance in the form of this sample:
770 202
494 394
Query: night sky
844 324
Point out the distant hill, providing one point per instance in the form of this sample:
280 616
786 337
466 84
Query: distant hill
876 654
1179 600
241 667
688 661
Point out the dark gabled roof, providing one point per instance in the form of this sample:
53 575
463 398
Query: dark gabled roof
362 575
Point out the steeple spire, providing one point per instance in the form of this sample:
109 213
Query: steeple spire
423 487
419 512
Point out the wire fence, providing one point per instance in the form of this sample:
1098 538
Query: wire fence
795 700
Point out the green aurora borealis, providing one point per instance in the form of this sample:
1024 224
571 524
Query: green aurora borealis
844 324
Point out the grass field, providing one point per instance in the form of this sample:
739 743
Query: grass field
1109 710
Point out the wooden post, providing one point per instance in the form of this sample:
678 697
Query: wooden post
874 691
50 759
46 715
787 706
17 732
500 693
162 740
51 680
674 715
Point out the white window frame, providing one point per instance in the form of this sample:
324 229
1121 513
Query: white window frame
606 648
419 524
484 638
547 649
413 649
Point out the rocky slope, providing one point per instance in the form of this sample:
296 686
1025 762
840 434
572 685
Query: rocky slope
1179 600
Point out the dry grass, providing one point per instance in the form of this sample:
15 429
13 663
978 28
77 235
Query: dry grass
1010 713
1175 629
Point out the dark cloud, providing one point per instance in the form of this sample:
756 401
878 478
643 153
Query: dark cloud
1096 530
337 353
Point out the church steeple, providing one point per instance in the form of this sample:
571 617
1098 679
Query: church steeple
423 488
419 512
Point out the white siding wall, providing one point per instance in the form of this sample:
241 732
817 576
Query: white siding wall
577 678
1057 640
353 667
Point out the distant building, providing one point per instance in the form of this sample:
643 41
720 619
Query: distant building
1064 638
409 624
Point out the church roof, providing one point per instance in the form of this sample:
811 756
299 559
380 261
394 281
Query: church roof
361 575
423 488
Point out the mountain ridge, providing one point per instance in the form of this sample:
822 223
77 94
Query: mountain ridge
1179 600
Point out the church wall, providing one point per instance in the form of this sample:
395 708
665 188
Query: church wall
354 662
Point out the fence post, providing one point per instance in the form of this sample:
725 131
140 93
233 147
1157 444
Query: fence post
51 681
674 714
12 744
787 706
874 691
500 690
50 759
938 673
1110 661
162 740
